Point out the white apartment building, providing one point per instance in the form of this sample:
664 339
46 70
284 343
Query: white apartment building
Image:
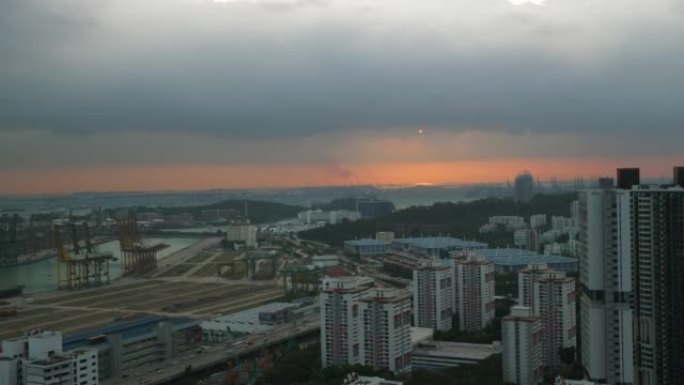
522 347
554 302
433 295
526 279
563 224
509 221
386 330
341 320
313 217
605 276
474 292
631 268
537 221
241 231
37 359
529 239
575 213
551 296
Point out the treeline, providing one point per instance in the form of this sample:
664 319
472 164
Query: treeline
461 219
257 211
303 368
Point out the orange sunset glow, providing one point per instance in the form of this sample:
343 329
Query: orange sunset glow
198 177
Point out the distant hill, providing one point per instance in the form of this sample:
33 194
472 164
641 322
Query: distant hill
462 219
258 211
339 204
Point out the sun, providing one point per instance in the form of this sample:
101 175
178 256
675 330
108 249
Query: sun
525 2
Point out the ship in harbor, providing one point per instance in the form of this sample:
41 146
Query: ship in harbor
11 291
20 246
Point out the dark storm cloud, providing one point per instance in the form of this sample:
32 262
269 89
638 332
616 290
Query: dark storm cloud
279 68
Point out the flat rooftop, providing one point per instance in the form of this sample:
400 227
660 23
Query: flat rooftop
420 335
460 350
439 243
247 321
527 259
367 242
504 252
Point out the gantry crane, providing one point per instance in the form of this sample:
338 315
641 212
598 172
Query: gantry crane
65 263
80 271
136 257
302 278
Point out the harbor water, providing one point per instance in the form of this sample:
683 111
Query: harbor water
42 275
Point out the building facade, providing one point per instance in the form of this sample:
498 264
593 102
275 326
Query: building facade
38 359
341 320
554 302
433 295
605 277
474 291
551 296
658 284
631 277
386 330
240 230
521 334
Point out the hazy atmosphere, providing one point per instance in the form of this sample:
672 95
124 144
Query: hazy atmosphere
180 94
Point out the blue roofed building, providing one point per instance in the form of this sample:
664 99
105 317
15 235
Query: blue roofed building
508 260
367 247
436 247
134 343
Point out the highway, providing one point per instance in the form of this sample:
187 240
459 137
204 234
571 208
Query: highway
213 354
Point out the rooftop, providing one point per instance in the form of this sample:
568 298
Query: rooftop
52 360
527 259
247 321
419 335
439 243
505 252
457 349
127 329
367 242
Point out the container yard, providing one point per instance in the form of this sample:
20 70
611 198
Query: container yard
71 312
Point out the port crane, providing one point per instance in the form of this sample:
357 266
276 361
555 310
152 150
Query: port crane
137 258
76 270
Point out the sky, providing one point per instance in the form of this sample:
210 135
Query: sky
118 95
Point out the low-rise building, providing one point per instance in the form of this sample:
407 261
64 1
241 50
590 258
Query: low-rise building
354 379
435 247
510 222
513 260
38 359
256 320
126 345
537 221
318 217
441 355
325 260
367 247
385 236
562 224
240 230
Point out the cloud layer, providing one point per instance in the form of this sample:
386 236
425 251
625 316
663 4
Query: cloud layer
261 77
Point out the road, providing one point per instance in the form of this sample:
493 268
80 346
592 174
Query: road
215 354
181 256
